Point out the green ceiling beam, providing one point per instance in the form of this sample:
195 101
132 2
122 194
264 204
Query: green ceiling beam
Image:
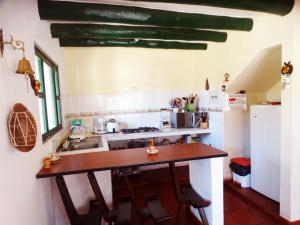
94 42
59 30
78 11
278 7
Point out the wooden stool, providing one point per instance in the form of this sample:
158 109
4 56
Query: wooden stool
185 194
191 197
119 216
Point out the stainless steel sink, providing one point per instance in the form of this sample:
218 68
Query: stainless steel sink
87 143
82 145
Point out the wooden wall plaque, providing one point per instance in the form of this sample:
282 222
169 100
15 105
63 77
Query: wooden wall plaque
22 128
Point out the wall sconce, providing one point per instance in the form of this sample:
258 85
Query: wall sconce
226 79
24 66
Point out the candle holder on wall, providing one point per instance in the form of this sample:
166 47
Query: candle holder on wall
24 66
226 80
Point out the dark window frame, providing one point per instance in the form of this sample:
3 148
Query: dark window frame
42 94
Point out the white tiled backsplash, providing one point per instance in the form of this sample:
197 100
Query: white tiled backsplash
99 103
133 120
131 110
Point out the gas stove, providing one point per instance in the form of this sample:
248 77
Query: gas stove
139 130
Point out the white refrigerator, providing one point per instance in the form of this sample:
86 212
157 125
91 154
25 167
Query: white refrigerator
265 131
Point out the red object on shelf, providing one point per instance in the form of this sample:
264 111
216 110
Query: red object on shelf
274 103
241 161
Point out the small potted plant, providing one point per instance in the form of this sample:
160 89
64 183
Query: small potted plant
190 103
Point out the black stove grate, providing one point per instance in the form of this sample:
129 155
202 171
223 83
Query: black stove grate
140 130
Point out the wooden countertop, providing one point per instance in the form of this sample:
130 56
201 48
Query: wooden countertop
81 163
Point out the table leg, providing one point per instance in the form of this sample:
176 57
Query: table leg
93 217
176 190
74 217
134 200
98 194
175 183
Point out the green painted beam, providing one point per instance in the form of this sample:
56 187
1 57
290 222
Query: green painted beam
78 11
278 7
94 42
59 30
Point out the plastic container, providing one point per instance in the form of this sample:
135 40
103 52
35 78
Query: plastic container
241 170
244 181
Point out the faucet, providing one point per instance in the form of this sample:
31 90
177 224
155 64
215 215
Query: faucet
77 130
72 128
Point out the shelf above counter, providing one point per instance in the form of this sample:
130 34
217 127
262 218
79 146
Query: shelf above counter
166 132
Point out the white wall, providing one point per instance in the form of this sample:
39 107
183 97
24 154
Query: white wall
290 154
23 199
236 136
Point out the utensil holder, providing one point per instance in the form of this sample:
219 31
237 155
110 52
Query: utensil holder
204 125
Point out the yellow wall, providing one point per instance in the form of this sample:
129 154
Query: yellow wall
274 94
91 71
124 70
255 98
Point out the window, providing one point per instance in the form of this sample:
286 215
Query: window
49 98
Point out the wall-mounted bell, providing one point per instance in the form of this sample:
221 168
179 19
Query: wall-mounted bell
24 67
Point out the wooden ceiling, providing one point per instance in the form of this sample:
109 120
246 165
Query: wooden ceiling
84 24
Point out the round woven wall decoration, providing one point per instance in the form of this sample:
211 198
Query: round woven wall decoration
22 128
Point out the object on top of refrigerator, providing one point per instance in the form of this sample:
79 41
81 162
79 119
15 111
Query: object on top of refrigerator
236 101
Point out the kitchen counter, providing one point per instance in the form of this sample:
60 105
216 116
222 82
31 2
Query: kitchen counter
161 133
120 137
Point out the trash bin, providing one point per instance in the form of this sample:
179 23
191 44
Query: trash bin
241 170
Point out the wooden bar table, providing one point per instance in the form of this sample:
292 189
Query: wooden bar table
206 168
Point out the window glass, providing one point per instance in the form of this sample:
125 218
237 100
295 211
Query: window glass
49 96
42 107
56 83
39 71
59 110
